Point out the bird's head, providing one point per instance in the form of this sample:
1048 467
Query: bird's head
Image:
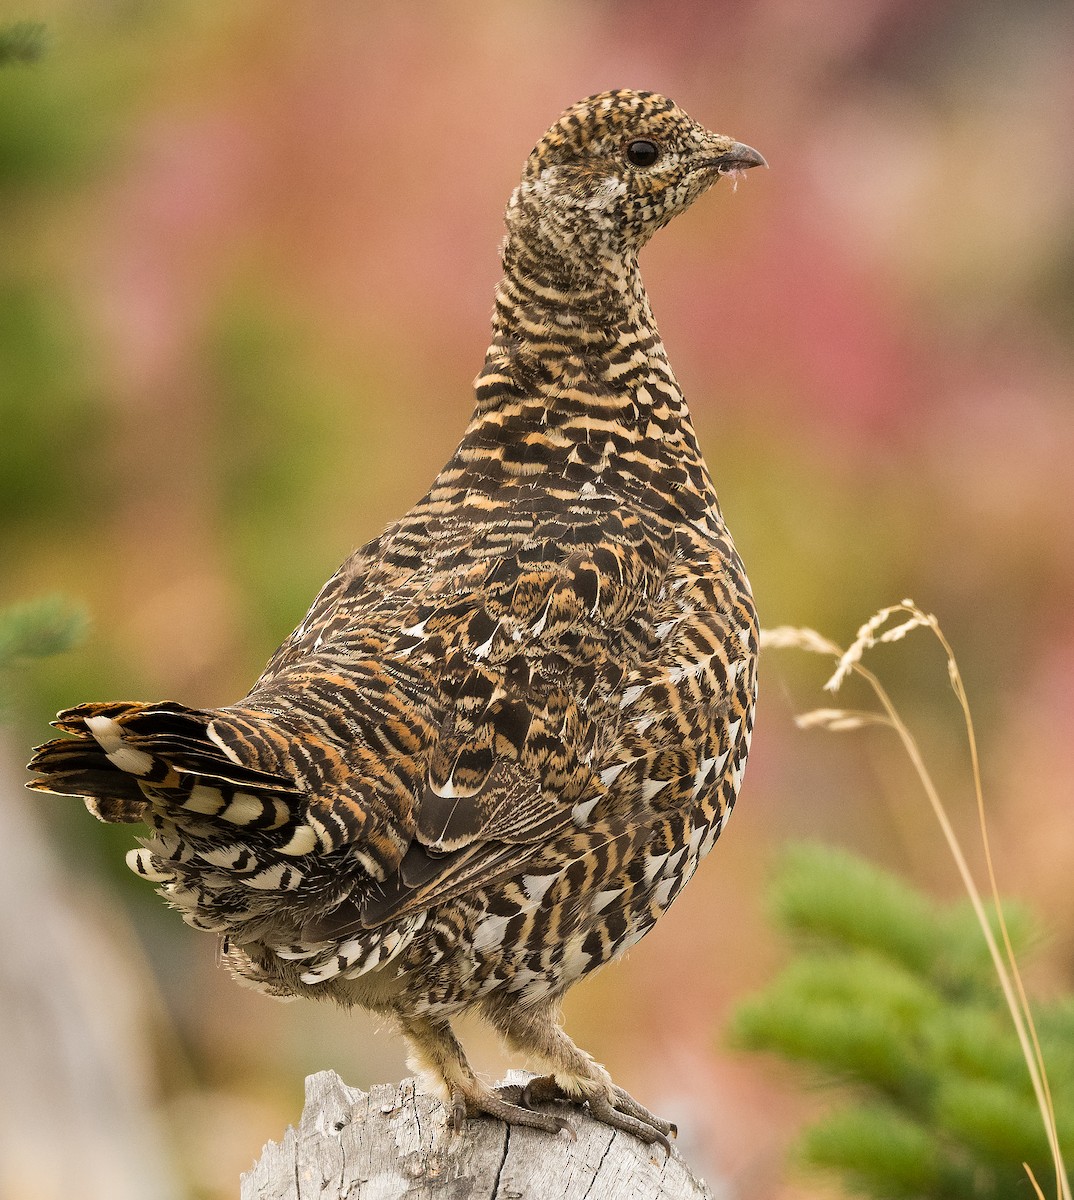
615 168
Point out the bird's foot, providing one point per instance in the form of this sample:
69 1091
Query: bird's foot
619 1110
503 1103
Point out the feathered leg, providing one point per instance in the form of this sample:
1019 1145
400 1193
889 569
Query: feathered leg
574 1076
438 1055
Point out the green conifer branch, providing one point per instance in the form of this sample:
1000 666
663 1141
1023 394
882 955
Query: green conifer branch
891 996
881 1152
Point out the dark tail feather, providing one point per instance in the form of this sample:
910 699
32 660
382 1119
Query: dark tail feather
80 768
122 756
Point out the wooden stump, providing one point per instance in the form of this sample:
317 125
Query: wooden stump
393 1143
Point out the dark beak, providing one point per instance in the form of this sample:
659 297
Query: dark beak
737 158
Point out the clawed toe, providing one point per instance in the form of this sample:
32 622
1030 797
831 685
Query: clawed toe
649 1129
622 1111
626 1103
503 1104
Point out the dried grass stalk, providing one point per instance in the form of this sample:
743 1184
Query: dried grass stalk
879 630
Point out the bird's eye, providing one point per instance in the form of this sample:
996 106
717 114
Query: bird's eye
642 153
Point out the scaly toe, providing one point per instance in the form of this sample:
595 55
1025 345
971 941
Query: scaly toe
541 1089
486 1102
512 1093
626 1103
622 1111
648 1132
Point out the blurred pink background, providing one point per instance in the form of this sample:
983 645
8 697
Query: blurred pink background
246 265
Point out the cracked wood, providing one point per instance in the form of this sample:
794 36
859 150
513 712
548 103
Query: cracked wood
392 1142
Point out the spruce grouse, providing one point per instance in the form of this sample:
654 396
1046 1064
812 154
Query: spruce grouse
511 725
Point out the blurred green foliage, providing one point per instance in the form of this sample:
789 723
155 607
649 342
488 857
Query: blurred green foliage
43 389
22 42
277 445
37 629
51 133
894 997
51 127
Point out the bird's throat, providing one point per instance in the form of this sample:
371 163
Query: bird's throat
582 298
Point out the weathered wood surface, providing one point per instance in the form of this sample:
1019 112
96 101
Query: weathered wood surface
392 1142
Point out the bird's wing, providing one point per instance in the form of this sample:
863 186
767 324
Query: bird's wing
596 698
477 723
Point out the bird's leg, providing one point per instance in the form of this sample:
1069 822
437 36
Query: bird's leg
574 1076
438 1056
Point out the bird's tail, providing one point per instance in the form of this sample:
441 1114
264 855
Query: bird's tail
224 837
125 756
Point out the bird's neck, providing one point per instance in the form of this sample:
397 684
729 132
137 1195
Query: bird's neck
576 380
577 295
568 334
